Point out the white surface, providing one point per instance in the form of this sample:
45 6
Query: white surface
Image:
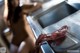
22 2
6 30
1 0
49 4
75 3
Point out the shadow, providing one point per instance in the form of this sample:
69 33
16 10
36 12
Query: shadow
17 26
17 22
77 5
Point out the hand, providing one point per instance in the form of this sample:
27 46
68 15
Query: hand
27 9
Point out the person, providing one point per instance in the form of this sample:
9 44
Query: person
15 19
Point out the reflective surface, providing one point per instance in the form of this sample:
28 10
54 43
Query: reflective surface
72 40
1 2
55 14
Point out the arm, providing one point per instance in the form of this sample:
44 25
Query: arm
5 11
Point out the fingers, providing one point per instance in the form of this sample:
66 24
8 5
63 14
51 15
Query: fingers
27 9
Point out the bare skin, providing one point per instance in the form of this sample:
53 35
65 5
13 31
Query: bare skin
21 28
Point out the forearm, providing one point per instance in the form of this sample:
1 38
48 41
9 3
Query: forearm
5 11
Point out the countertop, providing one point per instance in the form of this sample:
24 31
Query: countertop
45 48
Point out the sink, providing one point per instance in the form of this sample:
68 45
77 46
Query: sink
72 41
54 14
